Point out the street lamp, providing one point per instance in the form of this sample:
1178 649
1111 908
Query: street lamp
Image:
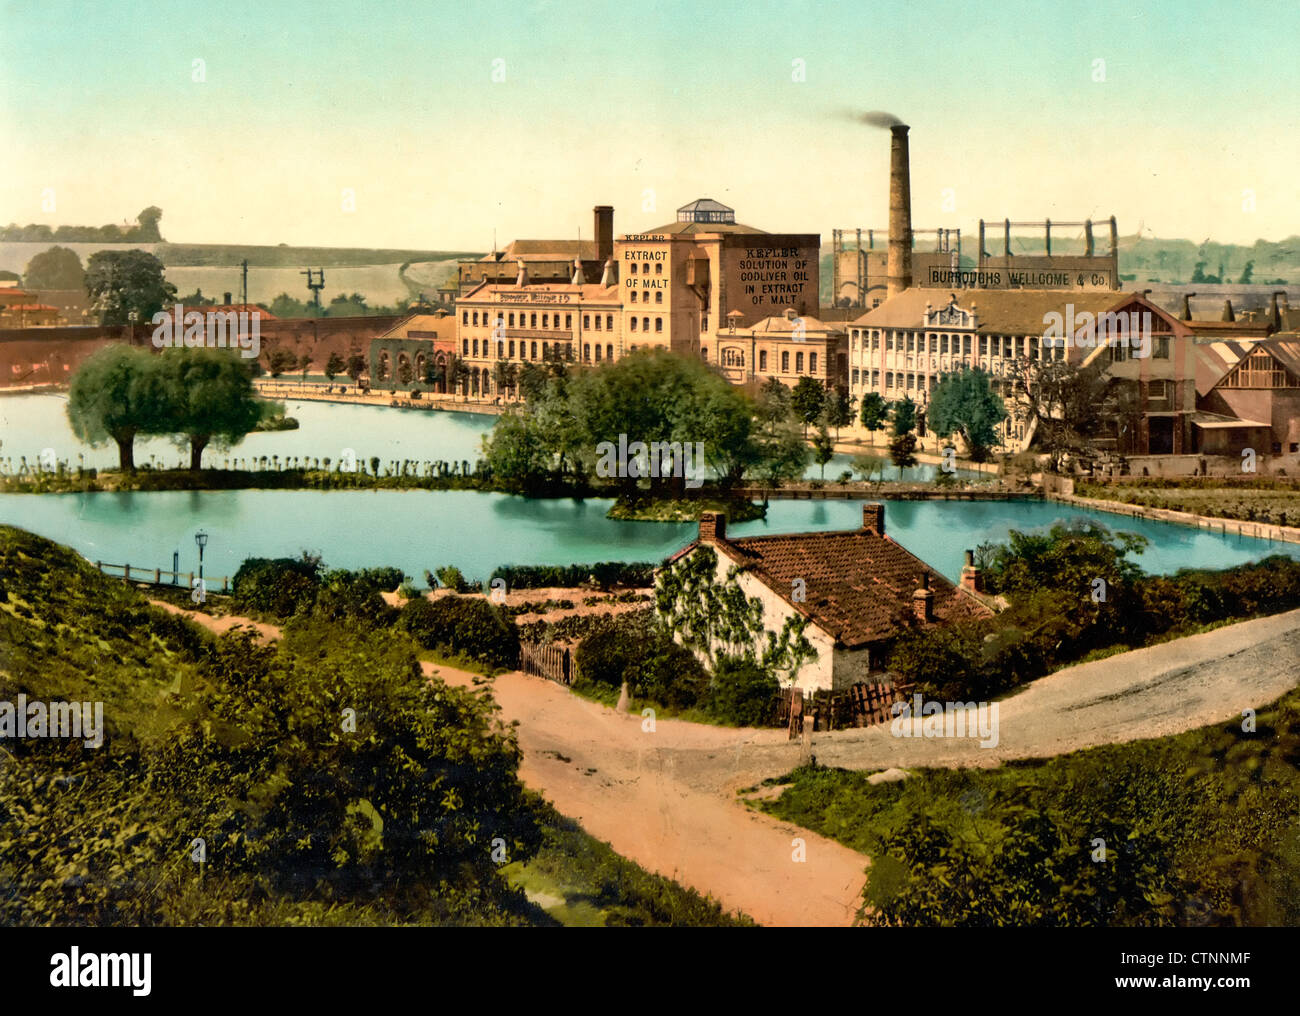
201 538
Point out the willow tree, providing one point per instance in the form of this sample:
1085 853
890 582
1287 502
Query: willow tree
118 394
210 397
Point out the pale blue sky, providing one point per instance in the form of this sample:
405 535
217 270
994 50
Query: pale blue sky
604 101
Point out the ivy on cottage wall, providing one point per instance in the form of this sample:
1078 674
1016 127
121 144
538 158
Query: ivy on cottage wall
717 619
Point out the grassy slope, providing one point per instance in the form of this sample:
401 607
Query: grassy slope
69 633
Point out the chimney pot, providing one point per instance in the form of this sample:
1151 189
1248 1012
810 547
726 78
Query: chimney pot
971 579
873 518
923 600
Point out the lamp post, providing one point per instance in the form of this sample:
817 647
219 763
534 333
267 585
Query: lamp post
201 538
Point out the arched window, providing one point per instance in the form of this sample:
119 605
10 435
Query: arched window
465 347
512 349
609 351
609 322
501 350
659 324
762 359
598 352
633 320
586 352
533 320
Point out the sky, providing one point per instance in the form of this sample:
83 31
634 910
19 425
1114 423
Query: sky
430 125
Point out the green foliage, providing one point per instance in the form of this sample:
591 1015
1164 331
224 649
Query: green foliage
741 692
450 577
964 402
602 574
56 268
330 780
120 282
116 394
633 648
823 447
874 411
808 399
462 624
278 587
210 397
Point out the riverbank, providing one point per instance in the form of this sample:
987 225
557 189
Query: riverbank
1221 526
347 394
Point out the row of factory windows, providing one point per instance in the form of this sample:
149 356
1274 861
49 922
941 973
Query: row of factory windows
736 358
530 320
659 268
506 350
659 296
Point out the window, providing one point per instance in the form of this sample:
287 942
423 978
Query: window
609 351
464 351
633 324
875 341
546 321
598 352
645 324
597 322
812 362
659 324
586 351
1158 391
659 268
534 320
889 341
659 296
512 348
704 352
568 350
501 350
875 379
632 269
568 320
546 351
889 379
464 317
634 296
798 363
534 350
854 380
704 322
785 362
1160 347
984 345
512 320
586 321
762 359
609 321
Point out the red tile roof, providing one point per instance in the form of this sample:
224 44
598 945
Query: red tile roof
859 585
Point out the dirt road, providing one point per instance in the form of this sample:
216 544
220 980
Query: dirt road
666 797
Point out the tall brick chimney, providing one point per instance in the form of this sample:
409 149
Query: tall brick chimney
970 575
604 223
713 527
898 269
923 600
873 518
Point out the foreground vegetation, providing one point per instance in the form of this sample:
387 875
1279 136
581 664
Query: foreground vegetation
1196 829
321 779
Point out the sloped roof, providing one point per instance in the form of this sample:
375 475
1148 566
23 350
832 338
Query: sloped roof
1213 362
997 311
858 584
545 250
705 205
779 323
706 227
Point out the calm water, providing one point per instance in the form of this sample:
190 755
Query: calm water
31 423
415 530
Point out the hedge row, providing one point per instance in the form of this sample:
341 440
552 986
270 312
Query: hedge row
603 574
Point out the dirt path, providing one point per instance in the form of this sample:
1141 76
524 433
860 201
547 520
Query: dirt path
666 798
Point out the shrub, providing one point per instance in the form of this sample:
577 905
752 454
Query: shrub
462 624
603 574
741 692
450 577
632 647
353 597
277 586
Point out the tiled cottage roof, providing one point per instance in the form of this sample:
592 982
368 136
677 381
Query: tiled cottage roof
859 584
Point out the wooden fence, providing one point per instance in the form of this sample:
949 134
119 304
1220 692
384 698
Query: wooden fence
548 660
860 705
155 576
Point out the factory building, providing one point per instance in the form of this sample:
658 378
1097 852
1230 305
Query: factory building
685 287
786 347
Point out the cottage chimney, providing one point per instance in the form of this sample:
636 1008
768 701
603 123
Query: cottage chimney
971 579
873 518
522 278
608 277
923 600
713 527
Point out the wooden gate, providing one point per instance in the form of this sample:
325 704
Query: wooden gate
548 660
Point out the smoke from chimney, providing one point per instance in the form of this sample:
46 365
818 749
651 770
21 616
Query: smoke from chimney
875 118
898 268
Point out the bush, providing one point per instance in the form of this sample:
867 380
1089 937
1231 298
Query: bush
353 597
280 586
741 692
462 624
603 574
634 648
450 577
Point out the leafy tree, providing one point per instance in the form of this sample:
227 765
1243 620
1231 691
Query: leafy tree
1246 274
285 306
148 229
404 372
121 281
1071 407
56 268
964 402
505 375
808 399
839 410
334 366
463 624
516 454
304 364
281 360
823 446
775 404
902 442
874 413
117 394
356 366
902 416
867 466
784 455
742 692
532 381
209 396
